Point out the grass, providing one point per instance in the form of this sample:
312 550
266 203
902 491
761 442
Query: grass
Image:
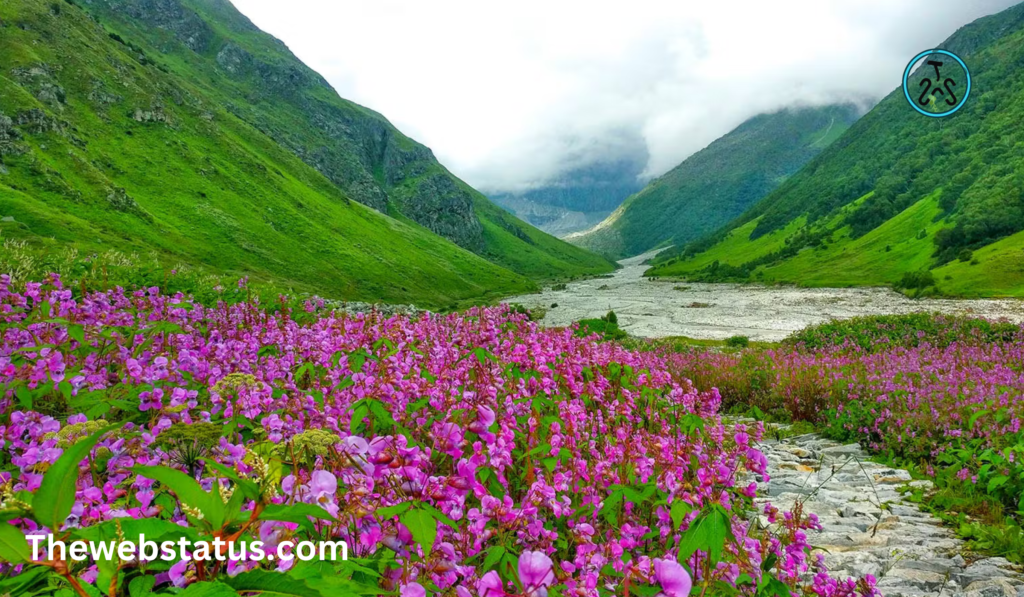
879 258
901 245
999 271
735 249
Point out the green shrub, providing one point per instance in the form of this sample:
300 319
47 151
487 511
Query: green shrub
879 332
916 280
737 341
965 255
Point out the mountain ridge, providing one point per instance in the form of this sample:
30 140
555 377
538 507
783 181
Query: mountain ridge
181 128
891 163
718 182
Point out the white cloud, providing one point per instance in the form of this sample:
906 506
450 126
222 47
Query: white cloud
509 94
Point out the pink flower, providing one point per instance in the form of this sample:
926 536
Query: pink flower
490 585
673 578
413 589
536 573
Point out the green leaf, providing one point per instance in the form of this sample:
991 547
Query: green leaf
188 491
24 397
494 556
140 586
997 482
77 333
155 529
680 510
208 589
265 582
611 507
14 546
440 516
56 494
423 527
249 488
392 511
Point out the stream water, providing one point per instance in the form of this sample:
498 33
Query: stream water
660 308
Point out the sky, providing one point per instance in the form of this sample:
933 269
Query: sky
512 94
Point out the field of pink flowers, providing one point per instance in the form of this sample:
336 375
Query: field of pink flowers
943 394
471 454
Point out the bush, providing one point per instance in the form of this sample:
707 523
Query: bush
738 341
965 255
880 332
611 318
915 281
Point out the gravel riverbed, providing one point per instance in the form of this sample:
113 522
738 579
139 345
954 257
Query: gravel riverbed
661 308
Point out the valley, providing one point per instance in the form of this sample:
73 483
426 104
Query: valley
241 311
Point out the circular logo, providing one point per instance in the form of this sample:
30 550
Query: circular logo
937 83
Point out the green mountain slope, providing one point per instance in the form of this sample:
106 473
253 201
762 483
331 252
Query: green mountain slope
178 127
924 192
718 183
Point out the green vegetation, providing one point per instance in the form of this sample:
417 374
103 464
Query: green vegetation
183 132
907 331
607 327
718 183
937 395
898 193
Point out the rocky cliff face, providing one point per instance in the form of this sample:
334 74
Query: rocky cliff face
355 148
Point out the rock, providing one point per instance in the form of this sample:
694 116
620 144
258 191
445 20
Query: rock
910 551
923 579
997 587
847 450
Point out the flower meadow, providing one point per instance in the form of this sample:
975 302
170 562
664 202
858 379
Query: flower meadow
944 394
470 454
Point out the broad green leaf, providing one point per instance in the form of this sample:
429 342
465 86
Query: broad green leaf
997 482
141 586
249 488
395 510
423 527
494 555
209 589
265 582
77 333
24 397
680 510
611 507
56 494
154 529
188 491
440 516
14 547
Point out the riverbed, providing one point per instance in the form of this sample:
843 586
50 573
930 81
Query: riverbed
660 308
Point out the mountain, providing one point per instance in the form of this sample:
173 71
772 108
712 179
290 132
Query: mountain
177 126
579 198
923 203
718 183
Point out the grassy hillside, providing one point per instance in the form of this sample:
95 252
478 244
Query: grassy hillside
123 129
944 195
718 183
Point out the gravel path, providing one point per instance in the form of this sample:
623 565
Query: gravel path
869 529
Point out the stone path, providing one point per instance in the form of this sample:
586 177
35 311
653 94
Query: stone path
869 529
